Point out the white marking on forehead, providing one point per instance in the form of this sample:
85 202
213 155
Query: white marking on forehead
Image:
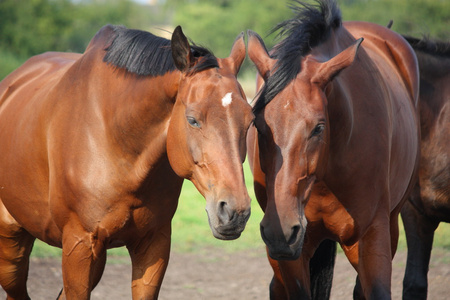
226 100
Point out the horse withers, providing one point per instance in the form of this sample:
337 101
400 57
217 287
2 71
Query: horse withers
335 147
429 203
94 148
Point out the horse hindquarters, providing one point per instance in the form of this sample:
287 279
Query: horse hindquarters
15 249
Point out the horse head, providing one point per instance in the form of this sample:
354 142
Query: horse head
292 140
207 133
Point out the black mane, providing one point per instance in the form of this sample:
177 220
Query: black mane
144 54
310 27
429 46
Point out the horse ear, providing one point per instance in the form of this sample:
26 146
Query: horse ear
258 54
237 54
331 68
181 50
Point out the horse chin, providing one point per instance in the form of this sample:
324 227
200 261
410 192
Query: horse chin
225 235
291 252
227 232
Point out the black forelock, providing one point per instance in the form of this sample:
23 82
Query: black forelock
310 27
144 54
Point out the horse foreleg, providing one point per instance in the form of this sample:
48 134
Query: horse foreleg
98 268
321 268
291 279
149 259
277 289
374 264
83 261
15 249
419 232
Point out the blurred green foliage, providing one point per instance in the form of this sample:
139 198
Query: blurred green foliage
29 27
411 17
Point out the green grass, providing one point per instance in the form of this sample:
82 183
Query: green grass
191 232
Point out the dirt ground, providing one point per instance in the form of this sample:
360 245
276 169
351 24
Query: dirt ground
242 276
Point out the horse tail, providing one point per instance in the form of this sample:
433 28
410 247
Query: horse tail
321 267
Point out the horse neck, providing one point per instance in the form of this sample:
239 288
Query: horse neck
338 92
434 77
132 112
349 101
433 66
141 111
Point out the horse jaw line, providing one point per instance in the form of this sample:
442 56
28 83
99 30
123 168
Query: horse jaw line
226 100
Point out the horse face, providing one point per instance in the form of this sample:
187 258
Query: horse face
206 141
293 145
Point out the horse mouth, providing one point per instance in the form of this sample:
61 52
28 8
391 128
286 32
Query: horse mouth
288 253
231 230
280 249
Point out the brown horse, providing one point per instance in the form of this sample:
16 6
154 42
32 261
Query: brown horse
336 145
429 203
94 149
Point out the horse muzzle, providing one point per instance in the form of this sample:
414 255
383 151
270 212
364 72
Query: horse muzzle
283 244
226 221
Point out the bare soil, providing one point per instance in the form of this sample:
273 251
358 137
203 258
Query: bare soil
220 275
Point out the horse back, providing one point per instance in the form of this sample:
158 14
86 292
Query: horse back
40 71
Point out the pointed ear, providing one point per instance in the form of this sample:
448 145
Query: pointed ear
258 54
181 50
237 54
330 69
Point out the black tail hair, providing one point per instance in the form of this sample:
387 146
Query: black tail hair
321 267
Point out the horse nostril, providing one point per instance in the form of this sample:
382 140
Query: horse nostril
263 235
293 238
224 212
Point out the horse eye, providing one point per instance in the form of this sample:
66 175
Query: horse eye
193 122
318 129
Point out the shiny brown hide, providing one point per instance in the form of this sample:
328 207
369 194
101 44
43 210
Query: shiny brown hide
334 155
94 156
429 203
